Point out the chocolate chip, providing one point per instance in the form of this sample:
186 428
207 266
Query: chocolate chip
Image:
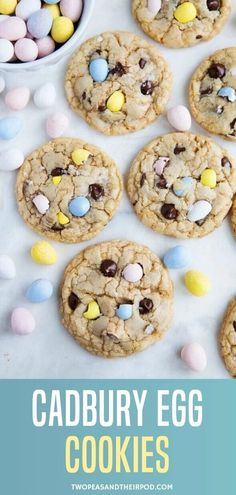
147 88
199 37
84 95
108 268
113 337
234 325
232 125
169 211
142 63
145 306
102 108
216 70
213 4
96 191
142 180
179 149
206 92
162 184
57 228
119 70
57 172
73 301
200 222
225 161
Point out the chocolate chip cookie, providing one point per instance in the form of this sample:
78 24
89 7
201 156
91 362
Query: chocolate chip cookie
182 185
212 93
118 83
68 190
116 298
228 339
179 24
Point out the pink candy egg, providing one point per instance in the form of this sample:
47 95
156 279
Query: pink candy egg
133 272
56 124
71 9
194 356
13 28
160 164
26 50
17 98
22 321
45 46
179 117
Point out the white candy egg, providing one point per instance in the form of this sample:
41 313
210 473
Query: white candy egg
45 96
2 84
6 50
18 98
199 211
56 124
179 117
7 267
11 159
25 8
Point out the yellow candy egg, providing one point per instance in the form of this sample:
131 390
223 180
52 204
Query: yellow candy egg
54 9
197 283
62 29
7 6
56 180
116 101
186 12
93 311
43 253
62 219
80 155
208 178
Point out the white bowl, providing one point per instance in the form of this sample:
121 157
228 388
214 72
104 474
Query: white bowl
60 52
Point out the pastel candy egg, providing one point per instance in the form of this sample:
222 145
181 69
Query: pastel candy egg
183 186
39 291
39 23
197 283
26 50
160 164
79 206
43 253
7 6
13 28
52 2
46 46
56 124
2 84
54 9
42 204
93 311
25 8
98 69
22 321
116 101
186 12
199 211
194 356
45 96
80 156
227 92
154 6
179 117
124 311
18 98
7 267
149 330
11 159
177 257
62 29
133 272
6 50
208 178
72 9
10 127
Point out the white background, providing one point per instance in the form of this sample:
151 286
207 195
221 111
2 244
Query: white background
50 352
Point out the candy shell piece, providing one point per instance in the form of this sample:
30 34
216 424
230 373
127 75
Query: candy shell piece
154 6
62 219
124 311
7 6
26 50
208 178
185 12
179 117
199 211
194 356
46 46
18 98
42 204
72 9
39 291
13 29
116 101
25 8
11 159
177 257
79 206
10 127
6 51
39 23
93 311
45 96
197 283
22 321
56 124
183 186
133 272
227 92
43 253
54 9
62 29
80 156
160 164
2 84
56 180
7 267
98 69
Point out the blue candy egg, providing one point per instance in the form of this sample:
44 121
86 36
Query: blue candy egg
183 186
125 311
10 127
51 2
39 23
79 206
39 291
98 69
177 257
227 92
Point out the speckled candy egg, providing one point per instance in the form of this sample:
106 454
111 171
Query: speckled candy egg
10 127
39 291
11 159
13 28
26 50
18 98
25 8
7 267
71 9
194 356
45 96
22 321
46 46
6 50
179 117
56 124
39 23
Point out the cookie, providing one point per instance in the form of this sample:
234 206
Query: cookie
178 24
212 93
116 298
233 216
182 185
118 83
68 190
228 339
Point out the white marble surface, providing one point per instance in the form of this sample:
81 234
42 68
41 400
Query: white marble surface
50 352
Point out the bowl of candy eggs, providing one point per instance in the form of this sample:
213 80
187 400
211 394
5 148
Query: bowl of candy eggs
34 32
